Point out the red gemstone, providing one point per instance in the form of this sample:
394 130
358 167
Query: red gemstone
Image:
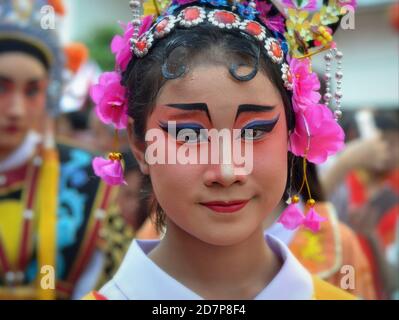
141 45
162 25
275 48
254 28
225 17
191 14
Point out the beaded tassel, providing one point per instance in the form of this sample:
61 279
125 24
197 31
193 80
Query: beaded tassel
328 96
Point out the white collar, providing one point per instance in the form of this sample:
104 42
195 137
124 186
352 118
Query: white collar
22 153
139 278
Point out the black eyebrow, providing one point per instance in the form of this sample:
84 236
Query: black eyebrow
252 108
191 106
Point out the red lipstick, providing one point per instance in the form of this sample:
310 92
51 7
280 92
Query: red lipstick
225 206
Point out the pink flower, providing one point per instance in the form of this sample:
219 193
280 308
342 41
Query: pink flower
305 4
305 84
110 171
110 99
274 23
263 8
326 136
120 45
312 220
292 217
145 24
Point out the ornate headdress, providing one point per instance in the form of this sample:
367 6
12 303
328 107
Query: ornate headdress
291 32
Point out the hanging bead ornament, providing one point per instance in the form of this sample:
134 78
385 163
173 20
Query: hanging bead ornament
135 6
329 95
338 77
139 46
291 218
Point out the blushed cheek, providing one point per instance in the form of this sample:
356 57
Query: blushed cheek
270 167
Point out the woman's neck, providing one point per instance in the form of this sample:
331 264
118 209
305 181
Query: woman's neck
238 271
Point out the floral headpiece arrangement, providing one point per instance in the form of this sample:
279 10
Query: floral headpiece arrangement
299 29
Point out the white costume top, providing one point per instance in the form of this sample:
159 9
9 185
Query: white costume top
139 278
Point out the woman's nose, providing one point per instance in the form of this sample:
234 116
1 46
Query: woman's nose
17 107
225 172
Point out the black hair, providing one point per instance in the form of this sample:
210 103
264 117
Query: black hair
145 197
173 57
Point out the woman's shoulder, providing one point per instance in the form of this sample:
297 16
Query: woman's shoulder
326 291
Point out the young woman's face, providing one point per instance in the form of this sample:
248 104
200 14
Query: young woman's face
209 97
23 86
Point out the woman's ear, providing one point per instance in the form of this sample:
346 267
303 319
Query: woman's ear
137 147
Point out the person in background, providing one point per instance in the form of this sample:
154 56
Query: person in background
368 169
50 207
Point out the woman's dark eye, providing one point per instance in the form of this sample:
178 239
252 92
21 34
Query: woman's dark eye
252 134
191 135
186 133
257 129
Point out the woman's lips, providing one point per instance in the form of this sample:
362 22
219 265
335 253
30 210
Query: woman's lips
225 206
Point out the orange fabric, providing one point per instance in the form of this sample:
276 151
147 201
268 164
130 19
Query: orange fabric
334 246
76 54
325 291
353 255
